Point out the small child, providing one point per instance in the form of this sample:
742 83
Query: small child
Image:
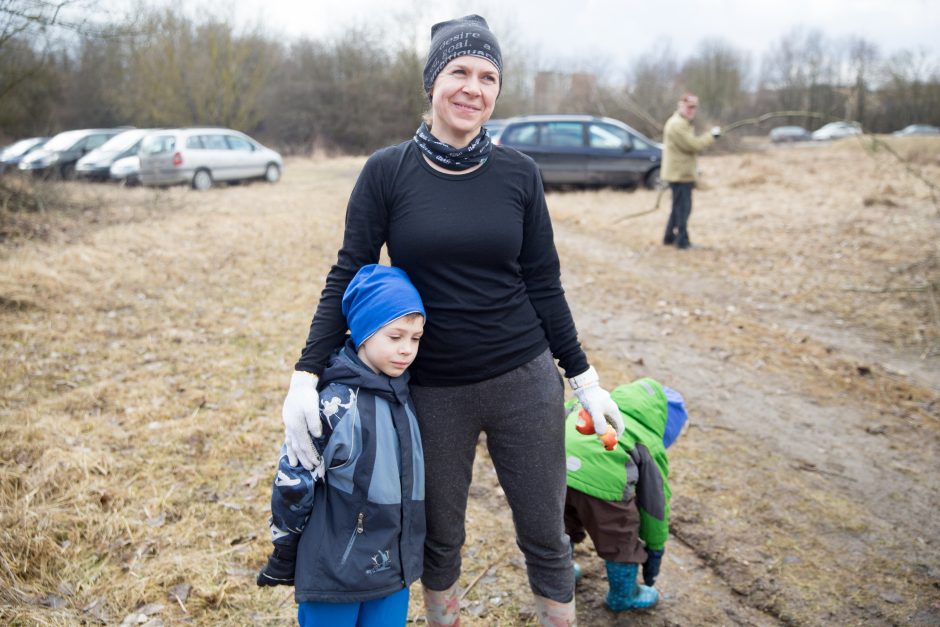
352 543
621 496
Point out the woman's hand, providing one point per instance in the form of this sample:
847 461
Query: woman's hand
301 415
596 400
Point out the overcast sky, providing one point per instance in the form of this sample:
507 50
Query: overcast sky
615 31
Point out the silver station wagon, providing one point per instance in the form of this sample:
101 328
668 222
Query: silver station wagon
201 157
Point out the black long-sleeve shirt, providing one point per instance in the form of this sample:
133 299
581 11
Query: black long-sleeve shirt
478 247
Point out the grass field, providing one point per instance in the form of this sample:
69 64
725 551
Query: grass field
147 339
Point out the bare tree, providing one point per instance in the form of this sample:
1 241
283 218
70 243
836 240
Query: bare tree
652 92
863 57
716 73
911 92
180 72
801 72
39 39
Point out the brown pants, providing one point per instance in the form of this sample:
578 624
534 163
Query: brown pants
614 526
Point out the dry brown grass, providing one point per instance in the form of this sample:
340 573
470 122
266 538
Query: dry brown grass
147 340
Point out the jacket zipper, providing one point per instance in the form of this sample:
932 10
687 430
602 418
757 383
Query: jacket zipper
352 538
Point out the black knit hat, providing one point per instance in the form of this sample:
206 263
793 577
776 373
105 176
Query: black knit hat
469 34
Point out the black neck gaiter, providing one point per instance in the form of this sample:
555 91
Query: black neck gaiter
450 158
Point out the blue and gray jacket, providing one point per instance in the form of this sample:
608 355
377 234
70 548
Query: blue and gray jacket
365 537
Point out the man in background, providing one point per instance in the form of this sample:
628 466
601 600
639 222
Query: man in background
679 166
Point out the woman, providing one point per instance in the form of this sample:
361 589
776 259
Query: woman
468 222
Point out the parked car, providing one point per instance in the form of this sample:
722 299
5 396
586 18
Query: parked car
917 129
837 130
495 127
96 164
585 150
789 134
11 155
57 157
126 170
202 156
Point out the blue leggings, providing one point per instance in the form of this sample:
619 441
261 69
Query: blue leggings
390 610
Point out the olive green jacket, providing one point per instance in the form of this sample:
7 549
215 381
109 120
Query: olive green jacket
682 145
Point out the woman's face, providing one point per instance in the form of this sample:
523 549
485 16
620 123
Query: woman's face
462 99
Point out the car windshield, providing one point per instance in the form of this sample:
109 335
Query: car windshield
123 141
156 144
64 140
17 149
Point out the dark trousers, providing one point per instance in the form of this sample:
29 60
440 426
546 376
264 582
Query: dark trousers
614 526
677 229
522 413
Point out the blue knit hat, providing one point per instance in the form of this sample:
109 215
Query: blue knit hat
376 296
676 416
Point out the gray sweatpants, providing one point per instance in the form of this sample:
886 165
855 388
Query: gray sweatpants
522 414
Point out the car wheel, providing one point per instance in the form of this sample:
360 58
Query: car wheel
272 173
651 180
202 180
67 172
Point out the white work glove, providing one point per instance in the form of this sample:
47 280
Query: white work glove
596 400
301 415
716 132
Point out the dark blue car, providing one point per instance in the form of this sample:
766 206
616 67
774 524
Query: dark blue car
585 150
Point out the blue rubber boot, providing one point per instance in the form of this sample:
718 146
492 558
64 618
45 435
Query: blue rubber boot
624 592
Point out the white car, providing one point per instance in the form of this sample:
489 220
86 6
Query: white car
126 170
96 165
201 157
917 129
837 130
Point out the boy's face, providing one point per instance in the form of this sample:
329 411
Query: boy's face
393 347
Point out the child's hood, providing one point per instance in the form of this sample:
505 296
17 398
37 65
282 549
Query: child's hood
346 368
645 402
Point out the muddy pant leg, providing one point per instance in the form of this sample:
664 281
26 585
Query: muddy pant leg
682 209
524 424
449 422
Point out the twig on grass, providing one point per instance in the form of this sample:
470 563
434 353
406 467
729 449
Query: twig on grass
811 467
659 196
478 578
709 427
887 290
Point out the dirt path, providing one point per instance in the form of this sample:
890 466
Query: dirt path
146 345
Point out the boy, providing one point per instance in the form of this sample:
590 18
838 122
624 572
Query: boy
621 496
353 542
